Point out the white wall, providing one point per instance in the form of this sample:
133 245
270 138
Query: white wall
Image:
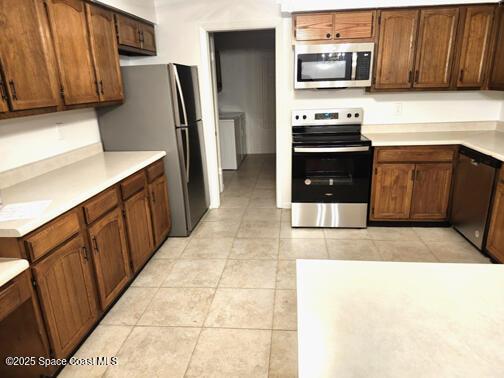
140 8
315 5
248 78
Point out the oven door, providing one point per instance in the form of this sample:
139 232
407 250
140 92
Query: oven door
331 174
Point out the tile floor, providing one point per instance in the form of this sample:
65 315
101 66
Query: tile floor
222 302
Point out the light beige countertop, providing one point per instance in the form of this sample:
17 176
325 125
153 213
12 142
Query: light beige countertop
487 142
10 268
71 185
393 319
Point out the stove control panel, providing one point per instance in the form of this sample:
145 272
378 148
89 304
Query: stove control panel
317 117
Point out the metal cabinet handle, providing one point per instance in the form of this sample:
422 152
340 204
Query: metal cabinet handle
328 35
338 35
101 87
410 77
84 252
461 78
153 196
417 74
13 89
3 92
139 35
95 244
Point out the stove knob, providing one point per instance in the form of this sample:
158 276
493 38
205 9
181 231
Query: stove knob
349 115
357 115
297 117
304 117
307 182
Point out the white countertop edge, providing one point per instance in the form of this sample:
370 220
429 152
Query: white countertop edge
10 268
50 215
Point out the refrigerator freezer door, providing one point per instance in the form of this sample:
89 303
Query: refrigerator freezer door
185 94
191 150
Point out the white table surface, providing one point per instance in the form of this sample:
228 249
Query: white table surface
10 268
71 185
388 319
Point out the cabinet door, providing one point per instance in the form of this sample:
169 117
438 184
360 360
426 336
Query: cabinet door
139 226
105 52
148 37
128 32
475 43
431 193
396 49
349 25
27 55
110 256
392 191
160 208
312 27
436 42
66 295
73 50
4 107
497 71
495 243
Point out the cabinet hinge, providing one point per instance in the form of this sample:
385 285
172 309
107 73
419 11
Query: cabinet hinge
62 92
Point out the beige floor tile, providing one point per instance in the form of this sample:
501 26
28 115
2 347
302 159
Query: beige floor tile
263 215
172 248
266 183
154 273
105 341
178 307
224 215
346 233
252 274
259 229
286 274
241 308
216 230
283 360
458 251
234 202
393 233
288 232
130 307
286 216
352 250
447 234
285 312
155 352
195 273
302 249
258 249
262 203
203 248
231 353
406 251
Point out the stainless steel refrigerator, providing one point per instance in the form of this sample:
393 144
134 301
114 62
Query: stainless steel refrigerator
162 111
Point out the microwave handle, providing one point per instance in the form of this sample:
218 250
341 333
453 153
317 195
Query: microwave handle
354 65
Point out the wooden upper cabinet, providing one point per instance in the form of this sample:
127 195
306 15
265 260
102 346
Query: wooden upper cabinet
26 55
160 208
431 194
350 25
66 295
497 69
475 44
436 43
128 31
139 226
314 26
148 37
495 243
105 53
110 256
396 49
392 191
73 50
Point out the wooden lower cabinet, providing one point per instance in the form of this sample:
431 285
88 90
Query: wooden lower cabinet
495 243
139 226
67 295
110 256
392 191
431 193
160 209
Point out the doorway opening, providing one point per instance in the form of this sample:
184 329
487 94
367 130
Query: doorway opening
243 75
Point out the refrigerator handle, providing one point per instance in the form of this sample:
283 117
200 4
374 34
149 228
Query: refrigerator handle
181 94
188 154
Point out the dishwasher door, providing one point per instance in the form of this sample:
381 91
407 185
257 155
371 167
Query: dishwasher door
474 183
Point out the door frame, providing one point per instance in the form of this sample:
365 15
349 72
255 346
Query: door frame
208 105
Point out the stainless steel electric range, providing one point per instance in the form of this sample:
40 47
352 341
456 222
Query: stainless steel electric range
331 169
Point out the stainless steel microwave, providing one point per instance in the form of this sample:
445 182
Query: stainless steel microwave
338 65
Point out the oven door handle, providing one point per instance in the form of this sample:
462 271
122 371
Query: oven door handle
331 149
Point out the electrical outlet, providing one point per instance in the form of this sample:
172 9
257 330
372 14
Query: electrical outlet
398 109
59 125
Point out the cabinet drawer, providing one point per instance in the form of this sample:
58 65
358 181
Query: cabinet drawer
132 184
415 154
14 293
155 170
353 25
53 234
100 204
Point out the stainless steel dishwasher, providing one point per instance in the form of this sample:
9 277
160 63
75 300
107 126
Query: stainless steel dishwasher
472 195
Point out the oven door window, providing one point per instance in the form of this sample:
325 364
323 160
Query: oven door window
324 67
331 177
